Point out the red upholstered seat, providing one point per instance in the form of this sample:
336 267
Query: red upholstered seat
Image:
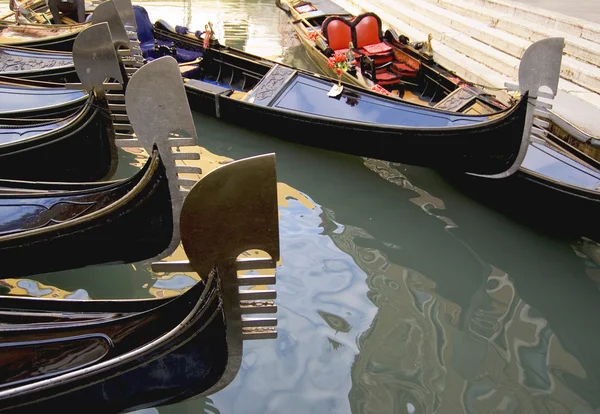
364 31
368 30
338 33
368 38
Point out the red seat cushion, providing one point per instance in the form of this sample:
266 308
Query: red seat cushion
337 32
377 48
403 69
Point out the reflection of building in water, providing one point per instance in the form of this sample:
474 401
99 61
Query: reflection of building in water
33 288
426 353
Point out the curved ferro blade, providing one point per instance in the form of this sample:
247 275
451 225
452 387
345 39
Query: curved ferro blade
95 58
540 66
160 115
125 8
229 211
107 12
157 104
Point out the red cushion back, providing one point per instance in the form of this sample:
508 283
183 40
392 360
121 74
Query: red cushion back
367 31
337 32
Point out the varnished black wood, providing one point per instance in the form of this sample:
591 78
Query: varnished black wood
79 148
173 361
123 221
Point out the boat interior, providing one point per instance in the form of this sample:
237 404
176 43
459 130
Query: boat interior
390 67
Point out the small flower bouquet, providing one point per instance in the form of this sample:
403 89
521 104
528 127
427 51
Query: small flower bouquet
314 35
340 65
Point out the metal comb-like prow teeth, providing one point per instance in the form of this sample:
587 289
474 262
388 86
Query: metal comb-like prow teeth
123 127
107 12
538 131
540 123
251 301
115 97
186 156
117 107
188 169
257 301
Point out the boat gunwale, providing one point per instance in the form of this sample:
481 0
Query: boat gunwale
156 348
139 180
75 119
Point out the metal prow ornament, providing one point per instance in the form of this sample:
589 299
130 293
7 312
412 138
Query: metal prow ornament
96 60
170 128
540 66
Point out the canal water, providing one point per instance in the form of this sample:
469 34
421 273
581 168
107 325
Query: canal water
398 290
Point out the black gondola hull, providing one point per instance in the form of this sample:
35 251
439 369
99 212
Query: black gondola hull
181 352
123 223
82 150
490 149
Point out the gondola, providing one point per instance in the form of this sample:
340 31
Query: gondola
34 99
387 61
103 222
37 12
294 105
78 147
41 36
121 355
559 183
59 37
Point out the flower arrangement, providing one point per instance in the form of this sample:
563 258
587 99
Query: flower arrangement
314 35
339 64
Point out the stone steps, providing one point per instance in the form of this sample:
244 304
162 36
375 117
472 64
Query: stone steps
575 46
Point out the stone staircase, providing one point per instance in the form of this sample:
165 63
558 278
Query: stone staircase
483 41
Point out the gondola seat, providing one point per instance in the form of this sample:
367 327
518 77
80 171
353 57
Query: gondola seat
338 32
368 39
150 46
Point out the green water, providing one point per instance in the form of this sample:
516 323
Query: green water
397 292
